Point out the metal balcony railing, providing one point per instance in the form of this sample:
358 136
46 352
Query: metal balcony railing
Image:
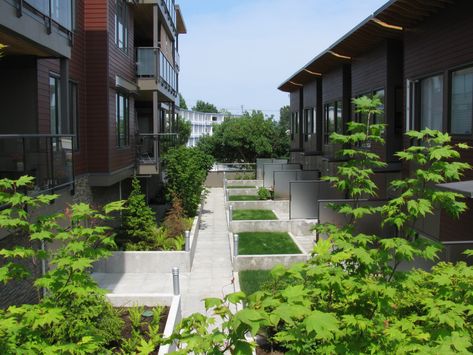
47 158
152 146
59 11
169 6
150 61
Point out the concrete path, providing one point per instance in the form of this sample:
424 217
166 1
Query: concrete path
212 274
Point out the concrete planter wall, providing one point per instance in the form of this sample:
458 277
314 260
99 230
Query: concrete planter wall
296 227
280 207
153 300
152 261
242 192
257 183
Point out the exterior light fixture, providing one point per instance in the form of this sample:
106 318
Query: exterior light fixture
312 72
387 25
339 55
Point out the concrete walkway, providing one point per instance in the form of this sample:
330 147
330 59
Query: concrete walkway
212 274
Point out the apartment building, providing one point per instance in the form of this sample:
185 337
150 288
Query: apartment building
417 56
202 124
88 97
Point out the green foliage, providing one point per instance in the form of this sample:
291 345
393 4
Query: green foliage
138 219
264 193
285 118
245 138
266 243
73 316
253 215
182 102
351 297
252 280
184 130
202 106
186 171
251 175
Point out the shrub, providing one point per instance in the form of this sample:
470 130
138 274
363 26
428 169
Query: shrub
138 219
73 316
264 193
186 171
175 221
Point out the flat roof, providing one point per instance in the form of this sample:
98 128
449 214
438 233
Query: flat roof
463 187
389 21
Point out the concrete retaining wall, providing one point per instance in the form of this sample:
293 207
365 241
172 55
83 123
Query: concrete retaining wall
296 227
257 183
266 262
152 300
152 261
280 207
242 192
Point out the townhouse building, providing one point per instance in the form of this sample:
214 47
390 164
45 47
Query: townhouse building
417 57
88 97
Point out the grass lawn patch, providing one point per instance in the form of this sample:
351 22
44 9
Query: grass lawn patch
253 215
241 187
244 198
266 243
252 280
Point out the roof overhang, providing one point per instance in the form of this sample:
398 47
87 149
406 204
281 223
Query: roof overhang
181 25
389 22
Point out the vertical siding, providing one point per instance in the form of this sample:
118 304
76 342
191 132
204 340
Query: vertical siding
311 102
121 63
369 71
332 84
96 27
295 105
77 73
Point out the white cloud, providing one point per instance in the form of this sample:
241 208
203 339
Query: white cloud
241 55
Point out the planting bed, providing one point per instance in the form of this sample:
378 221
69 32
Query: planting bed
129 329
253 215
265 243
252 280
243 198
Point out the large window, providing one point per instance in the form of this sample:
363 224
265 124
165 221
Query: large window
122 120
309 123
333 119
74 112
294 124
431 103
54 110
461 102
121 25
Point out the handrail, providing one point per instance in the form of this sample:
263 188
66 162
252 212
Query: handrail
37 135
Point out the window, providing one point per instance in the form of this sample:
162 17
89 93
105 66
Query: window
121 25
462 102
379 118
333 119
54 109
74 112
122 120
431 102
294 124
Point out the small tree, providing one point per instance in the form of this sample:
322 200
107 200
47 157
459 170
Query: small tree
138 217
182 102
202 106
73 316
186 171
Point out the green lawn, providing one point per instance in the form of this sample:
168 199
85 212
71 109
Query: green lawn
266 243
252 280
244 198
253 215
241 187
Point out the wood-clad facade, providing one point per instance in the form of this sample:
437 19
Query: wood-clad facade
418 57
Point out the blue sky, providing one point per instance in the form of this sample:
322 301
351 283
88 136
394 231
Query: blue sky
237 52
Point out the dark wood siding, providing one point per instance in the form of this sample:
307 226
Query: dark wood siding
369 71
77 75
122 63
311 101
96 26
295 98
332 85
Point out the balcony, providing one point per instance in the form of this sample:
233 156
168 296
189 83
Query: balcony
37 27
48 158
150 62
170 10
150 148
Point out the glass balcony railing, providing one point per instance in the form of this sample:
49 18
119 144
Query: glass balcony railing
149 61
151 146
170 7
47 158
60 11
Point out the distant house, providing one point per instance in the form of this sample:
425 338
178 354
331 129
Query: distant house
202 124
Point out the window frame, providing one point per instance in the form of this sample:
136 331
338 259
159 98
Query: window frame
338 123
449 105
74 113
57 79
121 18
122 142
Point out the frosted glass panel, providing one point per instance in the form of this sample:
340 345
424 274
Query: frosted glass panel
432 103
462 99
